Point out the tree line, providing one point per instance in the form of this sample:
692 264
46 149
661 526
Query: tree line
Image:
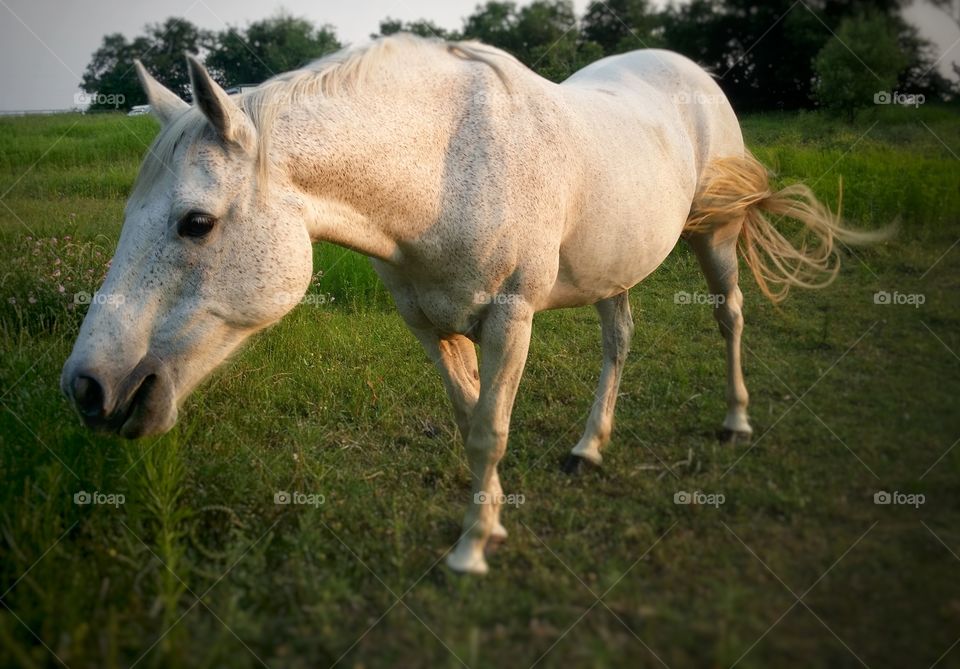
776 54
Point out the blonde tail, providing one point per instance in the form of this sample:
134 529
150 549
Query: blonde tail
735 198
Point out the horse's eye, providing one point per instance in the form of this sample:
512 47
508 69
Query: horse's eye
195 224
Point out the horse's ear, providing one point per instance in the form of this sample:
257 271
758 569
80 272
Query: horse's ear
164 103
224 115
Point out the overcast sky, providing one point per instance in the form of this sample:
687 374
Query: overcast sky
46 44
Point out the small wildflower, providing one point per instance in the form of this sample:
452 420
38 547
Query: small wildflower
32 300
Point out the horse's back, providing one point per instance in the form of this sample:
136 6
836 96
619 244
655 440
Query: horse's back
647 123
679 84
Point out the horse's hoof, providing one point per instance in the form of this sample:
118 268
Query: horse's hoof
472 564
575 465
733 437
494 544
498 537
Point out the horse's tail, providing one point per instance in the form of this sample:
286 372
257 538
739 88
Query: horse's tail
736 198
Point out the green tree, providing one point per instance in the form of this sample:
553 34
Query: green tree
862 61
543 23
422 27
268 47
548 36
110 73
763 53
620 25
921 75
169 41
494 23
544 35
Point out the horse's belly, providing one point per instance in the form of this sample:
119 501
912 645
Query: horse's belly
634 197
593 270
622 235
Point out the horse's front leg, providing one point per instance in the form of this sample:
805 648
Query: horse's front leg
456 359
504 342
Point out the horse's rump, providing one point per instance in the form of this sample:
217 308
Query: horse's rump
735 199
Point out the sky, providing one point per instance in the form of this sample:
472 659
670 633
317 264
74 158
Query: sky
46 44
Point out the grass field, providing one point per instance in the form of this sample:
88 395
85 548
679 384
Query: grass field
798 567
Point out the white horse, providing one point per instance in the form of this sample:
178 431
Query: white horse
482 192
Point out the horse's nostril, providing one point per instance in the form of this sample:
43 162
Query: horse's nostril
88 394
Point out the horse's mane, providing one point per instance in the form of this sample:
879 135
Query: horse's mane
331 75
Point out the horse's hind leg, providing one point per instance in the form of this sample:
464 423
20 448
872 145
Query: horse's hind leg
717 253
616 324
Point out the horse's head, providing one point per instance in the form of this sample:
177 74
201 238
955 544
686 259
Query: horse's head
204 260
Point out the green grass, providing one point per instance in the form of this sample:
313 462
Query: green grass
848 398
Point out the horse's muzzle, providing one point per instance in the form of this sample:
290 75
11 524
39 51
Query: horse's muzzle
139 405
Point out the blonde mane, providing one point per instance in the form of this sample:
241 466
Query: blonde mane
334 74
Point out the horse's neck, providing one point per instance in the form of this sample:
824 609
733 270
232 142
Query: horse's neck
302 146
370 170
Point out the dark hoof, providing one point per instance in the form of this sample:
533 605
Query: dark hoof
494 544
733 437
575 465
